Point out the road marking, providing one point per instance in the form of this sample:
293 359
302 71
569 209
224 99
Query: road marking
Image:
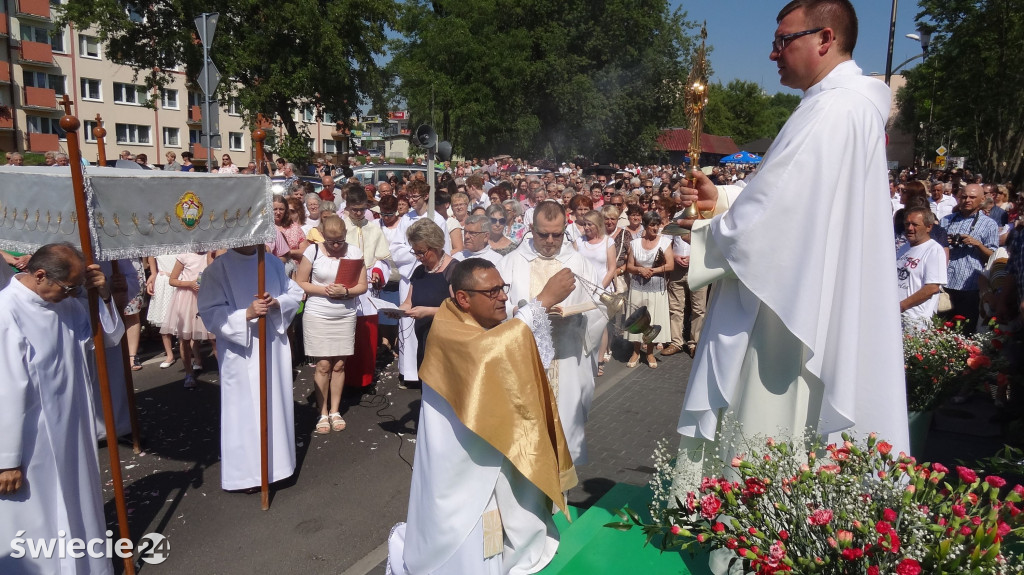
369 562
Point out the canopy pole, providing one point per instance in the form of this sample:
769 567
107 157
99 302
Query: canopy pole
258 135
70 124
100 133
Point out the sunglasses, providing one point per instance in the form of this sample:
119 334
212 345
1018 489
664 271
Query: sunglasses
68 290
335 243
551 236
491 293
498 221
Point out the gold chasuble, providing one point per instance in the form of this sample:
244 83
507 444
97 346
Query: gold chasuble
494 381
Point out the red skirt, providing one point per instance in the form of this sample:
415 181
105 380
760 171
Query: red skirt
359 368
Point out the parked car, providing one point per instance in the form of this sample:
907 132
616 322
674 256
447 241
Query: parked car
382 172
277 184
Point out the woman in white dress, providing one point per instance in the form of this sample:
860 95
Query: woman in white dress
160 292
650 259
329 317
599 249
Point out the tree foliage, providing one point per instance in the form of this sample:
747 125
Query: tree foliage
279 56
742 111
971 85
540 78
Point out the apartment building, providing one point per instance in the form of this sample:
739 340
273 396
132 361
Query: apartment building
39 65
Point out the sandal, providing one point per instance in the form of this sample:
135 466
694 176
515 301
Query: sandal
600 368
607 357
136 362
337 422
653 363
323 426
634 360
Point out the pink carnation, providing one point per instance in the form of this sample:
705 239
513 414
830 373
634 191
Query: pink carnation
967 475
820 517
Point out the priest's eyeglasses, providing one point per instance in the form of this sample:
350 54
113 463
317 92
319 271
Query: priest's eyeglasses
68 290
779 44
493 292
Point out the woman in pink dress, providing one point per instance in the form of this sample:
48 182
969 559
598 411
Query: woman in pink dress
289 226
183 318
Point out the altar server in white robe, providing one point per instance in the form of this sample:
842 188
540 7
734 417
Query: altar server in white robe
419 194
576 337
475 232
803 329
49 467
229 309
490 454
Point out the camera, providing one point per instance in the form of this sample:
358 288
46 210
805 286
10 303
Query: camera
956 241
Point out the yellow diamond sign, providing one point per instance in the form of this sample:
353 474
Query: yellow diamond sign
941 151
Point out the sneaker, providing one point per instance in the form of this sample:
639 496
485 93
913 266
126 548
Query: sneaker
190 381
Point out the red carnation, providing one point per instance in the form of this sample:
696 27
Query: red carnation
884 447
783 534
966 475
709 506
718 527
908 567
959 510
889 515
873 570
675 530
995 481
852 554
820 517
958 318
940 468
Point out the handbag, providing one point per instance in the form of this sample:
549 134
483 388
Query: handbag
945 304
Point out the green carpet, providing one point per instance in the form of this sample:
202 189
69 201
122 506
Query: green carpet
588 547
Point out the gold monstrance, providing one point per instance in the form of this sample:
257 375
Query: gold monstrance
696 100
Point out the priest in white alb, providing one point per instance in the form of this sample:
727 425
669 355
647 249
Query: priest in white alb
475 233
491 460
49 467
803 329
230 309
576 336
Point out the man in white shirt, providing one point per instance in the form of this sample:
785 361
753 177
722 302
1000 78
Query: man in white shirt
920 269
474 233
941 204
475 191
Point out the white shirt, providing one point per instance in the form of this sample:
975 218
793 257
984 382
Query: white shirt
916 267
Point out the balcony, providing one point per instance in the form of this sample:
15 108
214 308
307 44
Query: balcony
38 53
43 142
195 115
5 73
3 25
40 98
198 153
39 9
6 123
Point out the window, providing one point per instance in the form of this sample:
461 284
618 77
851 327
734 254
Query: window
307 115
34 34
236 142
311 144
132 134
169 98
44 125
171 138
128 94
234 108
328 118
88 46
88 127
330 147
195 98
57 41
195 137
54 82
92 90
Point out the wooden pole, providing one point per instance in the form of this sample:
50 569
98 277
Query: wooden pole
258 135
70 124
100 134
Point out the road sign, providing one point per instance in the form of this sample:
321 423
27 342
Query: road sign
941 151
209 78
940 161
207 25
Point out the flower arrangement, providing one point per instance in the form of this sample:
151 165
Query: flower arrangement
936 357
856 508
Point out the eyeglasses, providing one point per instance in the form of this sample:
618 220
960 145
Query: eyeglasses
470 233
68 290
498 221
493 292
419 253
355 209
551 236
335 243
414 198
779 44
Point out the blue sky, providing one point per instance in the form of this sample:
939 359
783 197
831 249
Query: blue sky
741 32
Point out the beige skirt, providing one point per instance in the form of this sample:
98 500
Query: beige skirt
333 337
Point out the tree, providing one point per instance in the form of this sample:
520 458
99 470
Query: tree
279 56
970 86
540 78
742 111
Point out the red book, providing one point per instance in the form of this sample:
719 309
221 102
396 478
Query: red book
348 272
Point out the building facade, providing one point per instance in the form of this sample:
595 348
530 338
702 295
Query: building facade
39 64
